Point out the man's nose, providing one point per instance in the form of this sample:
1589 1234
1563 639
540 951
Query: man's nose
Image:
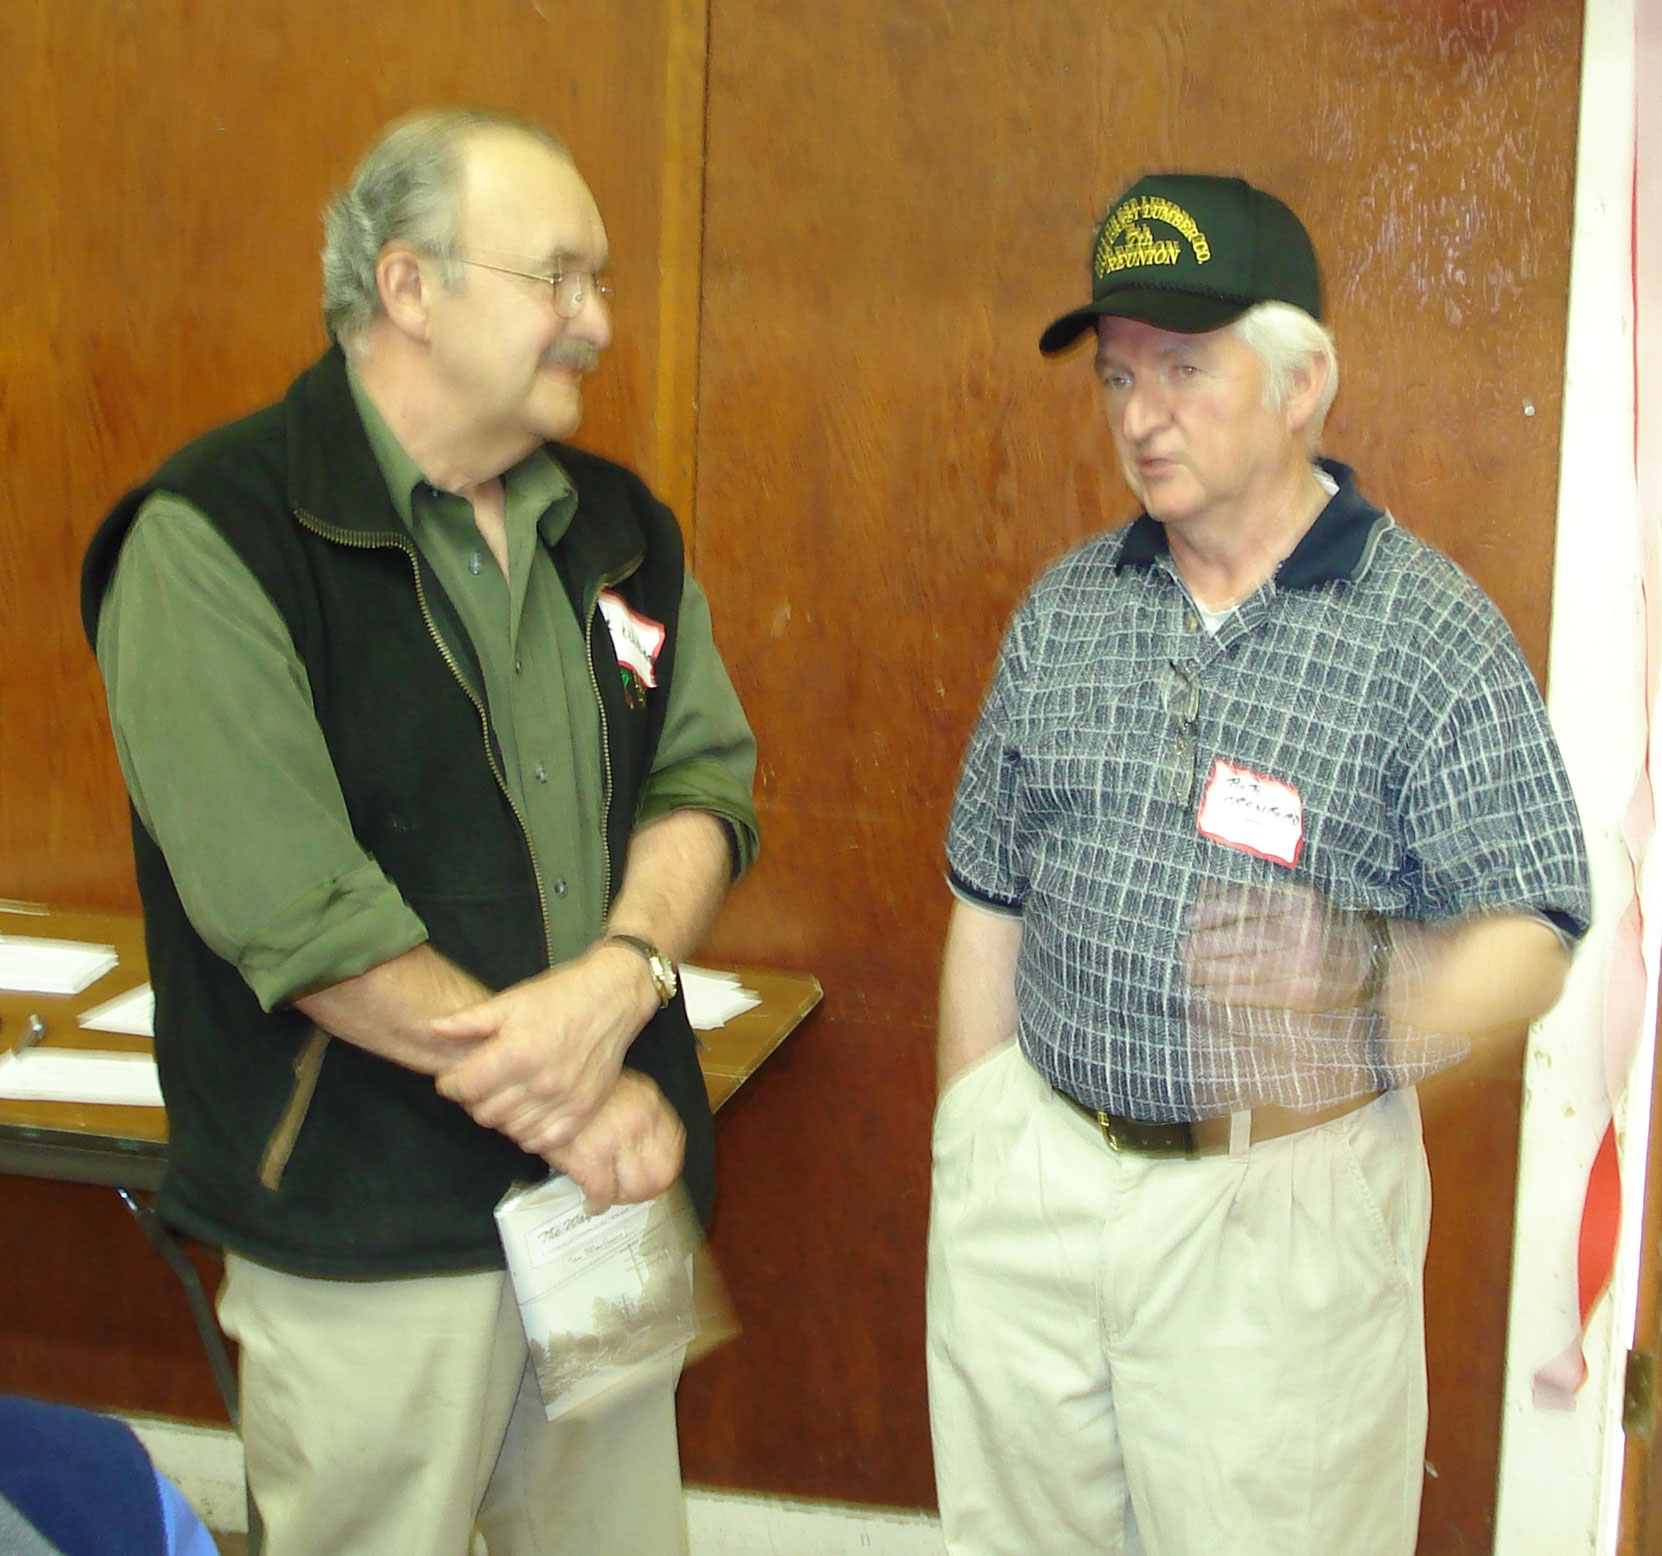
1142 410
593 321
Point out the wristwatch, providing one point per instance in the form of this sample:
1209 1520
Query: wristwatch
660 966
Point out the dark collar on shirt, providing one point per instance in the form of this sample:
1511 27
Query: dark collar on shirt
1333 547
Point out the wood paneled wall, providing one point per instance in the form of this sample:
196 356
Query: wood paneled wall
838 228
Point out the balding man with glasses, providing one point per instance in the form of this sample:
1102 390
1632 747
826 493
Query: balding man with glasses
1262 823
435 776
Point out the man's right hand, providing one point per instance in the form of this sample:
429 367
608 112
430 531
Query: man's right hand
631 1150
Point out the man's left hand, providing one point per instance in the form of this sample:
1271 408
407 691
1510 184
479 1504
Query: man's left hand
552 1047
1280 947
630 1151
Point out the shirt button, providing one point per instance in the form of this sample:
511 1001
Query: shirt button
475 564
560 888
540 773
1191 622
519 664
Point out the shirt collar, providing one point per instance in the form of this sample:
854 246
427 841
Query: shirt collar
1335 546
538 484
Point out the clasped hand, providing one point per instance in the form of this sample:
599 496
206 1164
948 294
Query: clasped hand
631 1150
547 1072
550 1048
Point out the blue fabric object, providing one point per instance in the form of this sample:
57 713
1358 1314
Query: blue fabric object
86 1484
187 1535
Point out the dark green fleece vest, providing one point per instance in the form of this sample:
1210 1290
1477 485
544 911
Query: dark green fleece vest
308 1153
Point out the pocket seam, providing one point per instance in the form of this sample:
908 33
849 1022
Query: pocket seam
976 1065
279 1146
1370 1201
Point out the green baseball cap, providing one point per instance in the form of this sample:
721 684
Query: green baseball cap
1192 252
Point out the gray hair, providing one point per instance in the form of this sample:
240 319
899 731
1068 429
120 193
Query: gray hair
1283 338
406 190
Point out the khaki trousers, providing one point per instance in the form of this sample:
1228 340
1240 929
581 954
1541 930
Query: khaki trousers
1180 1358
392 1417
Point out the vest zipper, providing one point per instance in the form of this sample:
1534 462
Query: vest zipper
369 543
607 580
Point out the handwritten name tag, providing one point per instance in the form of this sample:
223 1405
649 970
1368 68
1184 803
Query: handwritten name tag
1260 816
636 638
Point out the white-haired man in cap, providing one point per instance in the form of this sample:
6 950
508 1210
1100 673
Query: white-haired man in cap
435 774
1261 824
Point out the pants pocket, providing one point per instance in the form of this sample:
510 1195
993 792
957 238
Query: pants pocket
1386 1163
973 1088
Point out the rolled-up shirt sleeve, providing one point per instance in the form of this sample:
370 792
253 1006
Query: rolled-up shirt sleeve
706 757
228 769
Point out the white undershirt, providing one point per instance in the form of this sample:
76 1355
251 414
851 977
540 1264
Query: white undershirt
1213 619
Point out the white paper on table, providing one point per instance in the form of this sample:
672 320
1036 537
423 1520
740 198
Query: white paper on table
134 1012
32 966
606 1300
714 998
80 1075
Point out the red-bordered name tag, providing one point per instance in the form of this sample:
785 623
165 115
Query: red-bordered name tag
637 639
1260 816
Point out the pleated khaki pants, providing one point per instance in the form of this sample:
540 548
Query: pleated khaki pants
1217 1357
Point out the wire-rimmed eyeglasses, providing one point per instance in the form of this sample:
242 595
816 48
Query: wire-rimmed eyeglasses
1181 695
570 289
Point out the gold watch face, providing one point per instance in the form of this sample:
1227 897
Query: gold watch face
659 967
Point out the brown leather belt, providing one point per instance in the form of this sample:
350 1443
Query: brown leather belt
1208 1136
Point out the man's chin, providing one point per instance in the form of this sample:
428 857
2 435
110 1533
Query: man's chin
1168 498
562 414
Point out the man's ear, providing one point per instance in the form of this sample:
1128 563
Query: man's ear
1309 383
402 279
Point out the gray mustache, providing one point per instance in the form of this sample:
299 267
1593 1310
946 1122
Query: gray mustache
573 353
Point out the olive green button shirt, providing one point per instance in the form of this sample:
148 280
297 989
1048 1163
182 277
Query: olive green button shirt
535 663
229 772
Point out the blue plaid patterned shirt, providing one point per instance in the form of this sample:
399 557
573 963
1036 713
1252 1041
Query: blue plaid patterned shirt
1370 675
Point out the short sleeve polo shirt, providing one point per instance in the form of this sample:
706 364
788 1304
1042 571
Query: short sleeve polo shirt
1369 679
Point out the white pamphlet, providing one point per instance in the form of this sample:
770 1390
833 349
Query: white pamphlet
29 965
80 1075
714 998
133 1012
606 1300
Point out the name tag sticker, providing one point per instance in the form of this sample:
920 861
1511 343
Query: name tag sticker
1258 815
637 639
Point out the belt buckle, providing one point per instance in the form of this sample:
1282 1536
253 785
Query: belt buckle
1106 1122
1124 1134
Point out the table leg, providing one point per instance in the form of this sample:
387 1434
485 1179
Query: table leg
213 1342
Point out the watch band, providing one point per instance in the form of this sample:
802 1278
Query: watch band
1379 958
658 965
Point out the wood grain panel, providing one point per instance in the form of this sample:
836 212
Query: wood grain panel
819 1253
1641 1508
89 1313
898 199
